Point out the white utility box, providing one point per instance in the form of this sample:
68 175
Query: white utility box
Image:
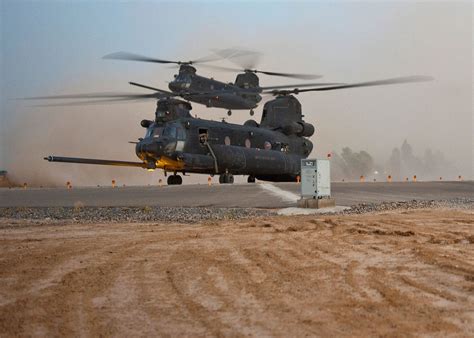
315 179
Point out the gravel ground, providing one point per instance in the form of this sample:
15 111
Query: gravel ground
456 203
130 214
79 214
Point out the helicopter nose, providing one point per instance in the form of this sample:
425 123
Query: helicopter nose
148 148
174 86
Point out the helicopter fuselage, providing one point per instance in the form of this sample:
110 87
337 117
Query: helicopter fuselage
208 147
239 95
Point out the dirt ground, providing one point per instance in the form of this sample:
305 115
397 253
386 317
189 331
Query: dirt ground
407 273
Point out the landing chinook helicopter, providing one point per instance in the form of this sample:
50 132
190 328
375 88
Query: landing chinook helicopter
270 150
242 94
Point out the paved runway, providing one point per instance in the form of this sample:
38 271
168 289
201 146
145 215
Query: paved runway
261 195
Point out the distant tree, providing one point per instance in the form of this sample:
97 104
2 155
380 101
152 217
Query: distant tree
394 166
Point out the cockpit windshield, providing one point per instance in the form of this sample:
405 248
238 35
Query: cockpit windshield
154 131
172 130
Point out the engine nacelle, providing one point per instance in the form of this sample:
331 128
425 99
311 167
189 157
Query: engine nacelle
299 129
308 129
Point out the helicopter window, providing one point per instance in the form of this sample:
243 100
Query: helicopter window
157 132
203 135
247 143
267 145
227 141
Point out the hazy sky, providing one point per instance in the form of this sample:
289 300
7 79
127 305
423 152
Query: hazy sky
56 47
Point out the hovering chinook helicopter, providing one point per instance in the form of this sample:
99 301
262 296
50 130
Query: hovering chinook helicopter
242 94
270 150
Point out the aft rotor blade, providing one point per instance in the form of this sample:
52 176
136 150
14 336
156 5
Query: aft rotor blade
244 58
407 79
302 85
291 75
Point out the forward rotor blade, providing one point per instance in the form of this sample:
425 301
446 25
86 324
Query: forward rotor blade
89 96
136 57
91 102
151 88
398 80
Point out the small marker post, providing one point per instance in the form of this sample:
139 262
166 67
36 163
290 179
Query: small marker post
414 178
389 178
113 183
298 179
361 178
209 181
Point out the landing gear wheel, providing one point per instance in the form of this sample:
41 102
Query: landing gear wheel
226 179
251 179
251 112
229 112
175 180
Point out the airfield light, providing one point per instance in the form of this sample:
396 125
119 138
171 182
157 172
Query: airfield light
209 181
414 178
113 183
389 178
298 179
361 178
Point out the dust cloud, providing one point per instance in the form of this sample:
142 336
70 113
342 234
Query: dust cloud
345 42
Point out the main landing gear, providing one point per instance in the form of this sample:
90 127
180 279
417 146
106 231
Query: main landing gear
175 180
226 178
251 179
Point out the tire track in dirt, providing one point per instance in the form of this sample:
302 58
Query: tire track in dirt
358 275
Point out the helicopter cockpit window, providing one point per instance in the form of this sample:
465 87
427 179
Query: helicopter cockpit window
157 132
184 80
